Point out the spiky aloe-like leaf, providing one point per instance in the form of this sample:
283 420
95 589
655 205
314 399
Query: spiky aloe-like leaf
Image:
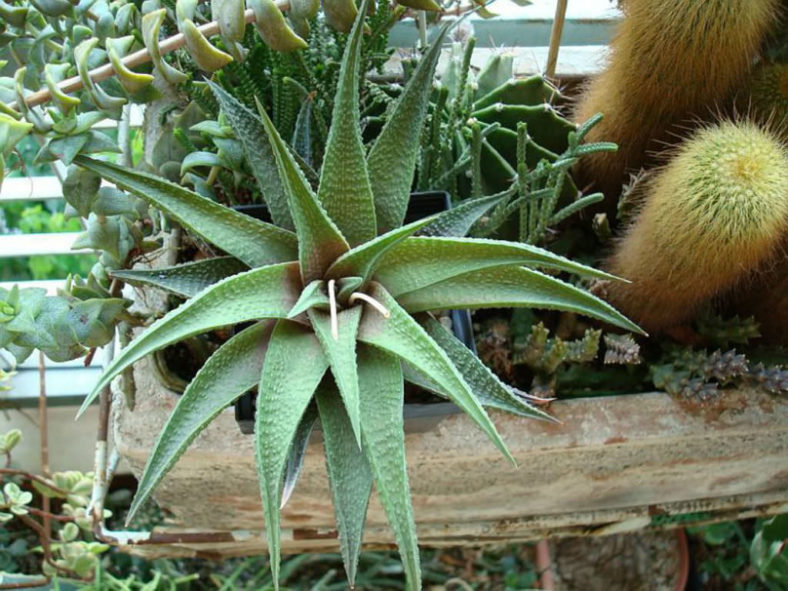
349 476
344 190
380 378
339 346
393 155
250 132
399 334
504 287
487 387
423 261
185 280
293 367
228 373
268 292
341 292
247 239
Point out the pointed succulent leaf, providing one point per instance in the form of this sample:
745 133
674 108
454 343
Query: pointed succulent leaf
504 287
294 365
419 262
320 242
268 292
247 239
380 381
487 387
362 260
185 280
341 355
312 297
295 458
402 336
250 132
392 158
349 475
345 189
232 370
458 221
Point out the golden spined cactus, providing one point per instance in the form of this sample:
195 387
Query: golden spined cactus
710 217
768 97
671 60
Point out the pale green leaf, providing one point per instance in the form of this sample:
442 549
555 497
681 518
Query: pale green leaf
250 131
349 475
185 280
313 296
232 370
392 158
320 242
268 292
341 355
362 260
419 261
247 239
487 387
402 336
294 366
382 424
345 189
517 287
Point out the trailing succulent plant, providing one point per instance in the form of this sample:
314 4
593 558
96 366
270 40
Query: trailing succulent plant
340 294
659 41
52 40
711 217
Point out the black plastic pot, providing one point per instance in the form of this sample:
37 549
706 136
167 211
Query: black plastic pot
420 206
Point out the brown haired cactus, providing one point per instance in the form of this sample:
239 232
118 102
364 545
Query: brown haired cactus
713 214
671 60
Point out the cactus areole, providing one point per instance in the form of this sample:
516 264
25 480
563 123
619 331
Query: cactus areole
340 309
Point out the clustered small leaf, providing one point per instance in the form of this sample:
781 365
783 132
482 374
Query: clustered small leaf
621 350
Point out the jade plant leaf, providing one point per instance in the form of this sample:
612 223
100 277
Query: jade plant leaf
247 239
185 280
232 370
268 292
294 365
399 334
349 476
345 190
503 287
380 379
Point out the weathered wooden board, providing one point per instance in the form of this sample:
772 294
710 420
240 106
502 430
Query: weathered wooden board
612 463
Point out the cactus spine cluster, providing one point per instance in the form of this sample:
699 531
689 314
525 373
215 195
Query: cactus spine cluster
671 60
715 212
